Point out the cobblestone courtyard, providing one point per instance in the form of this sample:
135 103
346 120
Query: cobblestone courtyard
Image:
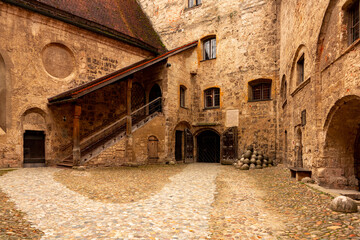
199 201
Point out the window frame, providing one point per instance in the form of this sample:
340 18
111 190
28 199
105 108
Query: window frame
353 10
213 93
300 69
212 48
194 3
182 96
264 84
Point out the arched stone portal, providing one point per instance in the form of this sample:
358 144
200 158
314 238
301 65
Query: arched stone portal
155 93
208 147
340 164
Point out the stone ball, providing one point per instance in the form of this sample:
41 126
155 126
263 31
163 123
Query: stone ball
307 180
260 157
258 162
255 153
247 154
264 165
343 204
237 166
258 167
246 161
260 152
252 166
245 167
266 161
253 160
172 162
270 161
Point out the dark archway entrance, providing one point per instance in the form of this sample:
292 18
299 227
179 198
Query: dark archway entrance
34 147
341 149
357 156
208 147
154 94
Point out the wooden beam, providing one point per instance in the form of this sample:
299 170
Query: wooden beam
76 136
128 107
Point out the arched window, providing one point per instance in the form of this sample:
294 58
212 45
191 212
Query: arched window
212 98
209 48
182 96
260 90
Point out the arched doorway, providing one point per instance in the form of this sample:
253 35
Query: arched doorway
154 94
341 149
208 147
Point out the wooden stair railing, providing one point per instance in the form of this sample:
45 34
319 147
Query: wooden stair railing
94 144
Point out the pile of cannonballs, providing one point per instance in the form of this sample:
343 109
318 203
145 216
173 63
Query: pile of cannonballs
253 159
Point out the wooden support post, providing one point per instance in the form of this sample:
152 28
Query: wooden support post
76 136
128 107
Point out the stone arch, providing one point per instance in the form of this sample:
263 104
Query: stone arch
323 29
5 85
208 142
341 129
34 137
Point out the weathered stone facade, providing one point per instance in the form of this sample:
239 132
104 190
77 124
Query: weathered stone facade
296 53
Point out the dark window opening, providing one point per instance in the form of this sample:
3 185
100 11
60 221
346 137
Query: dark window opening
212 98
301 69
193 3
182 96
354 26
209 49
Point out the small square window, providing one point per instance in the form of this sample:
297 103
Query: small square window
354 26
212 98
193 3
209 49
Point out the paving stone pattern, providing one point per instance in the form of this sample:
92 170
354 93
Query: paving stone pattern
179 211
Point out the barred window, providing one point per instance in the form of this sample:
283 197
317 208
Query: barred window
212 98
354 26
193 3
209 49
260 90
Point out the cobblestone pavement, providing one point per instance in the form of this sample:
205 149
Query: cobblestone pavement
204 201
179 211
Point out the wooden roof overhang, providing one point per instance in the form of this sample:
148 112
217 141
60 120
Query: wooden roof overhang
75 93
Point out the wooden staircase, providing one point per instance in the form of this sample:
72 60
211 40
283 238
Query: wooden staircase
93 145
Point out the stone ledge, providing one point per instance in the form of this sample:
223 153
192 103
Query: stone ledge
300 87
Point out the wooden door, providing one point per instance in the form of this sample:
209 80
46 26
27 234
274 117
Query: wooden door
153 149
229 146
178 146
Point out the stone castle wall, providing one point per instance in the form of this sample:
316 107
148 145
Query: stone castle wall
247 49
44 57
